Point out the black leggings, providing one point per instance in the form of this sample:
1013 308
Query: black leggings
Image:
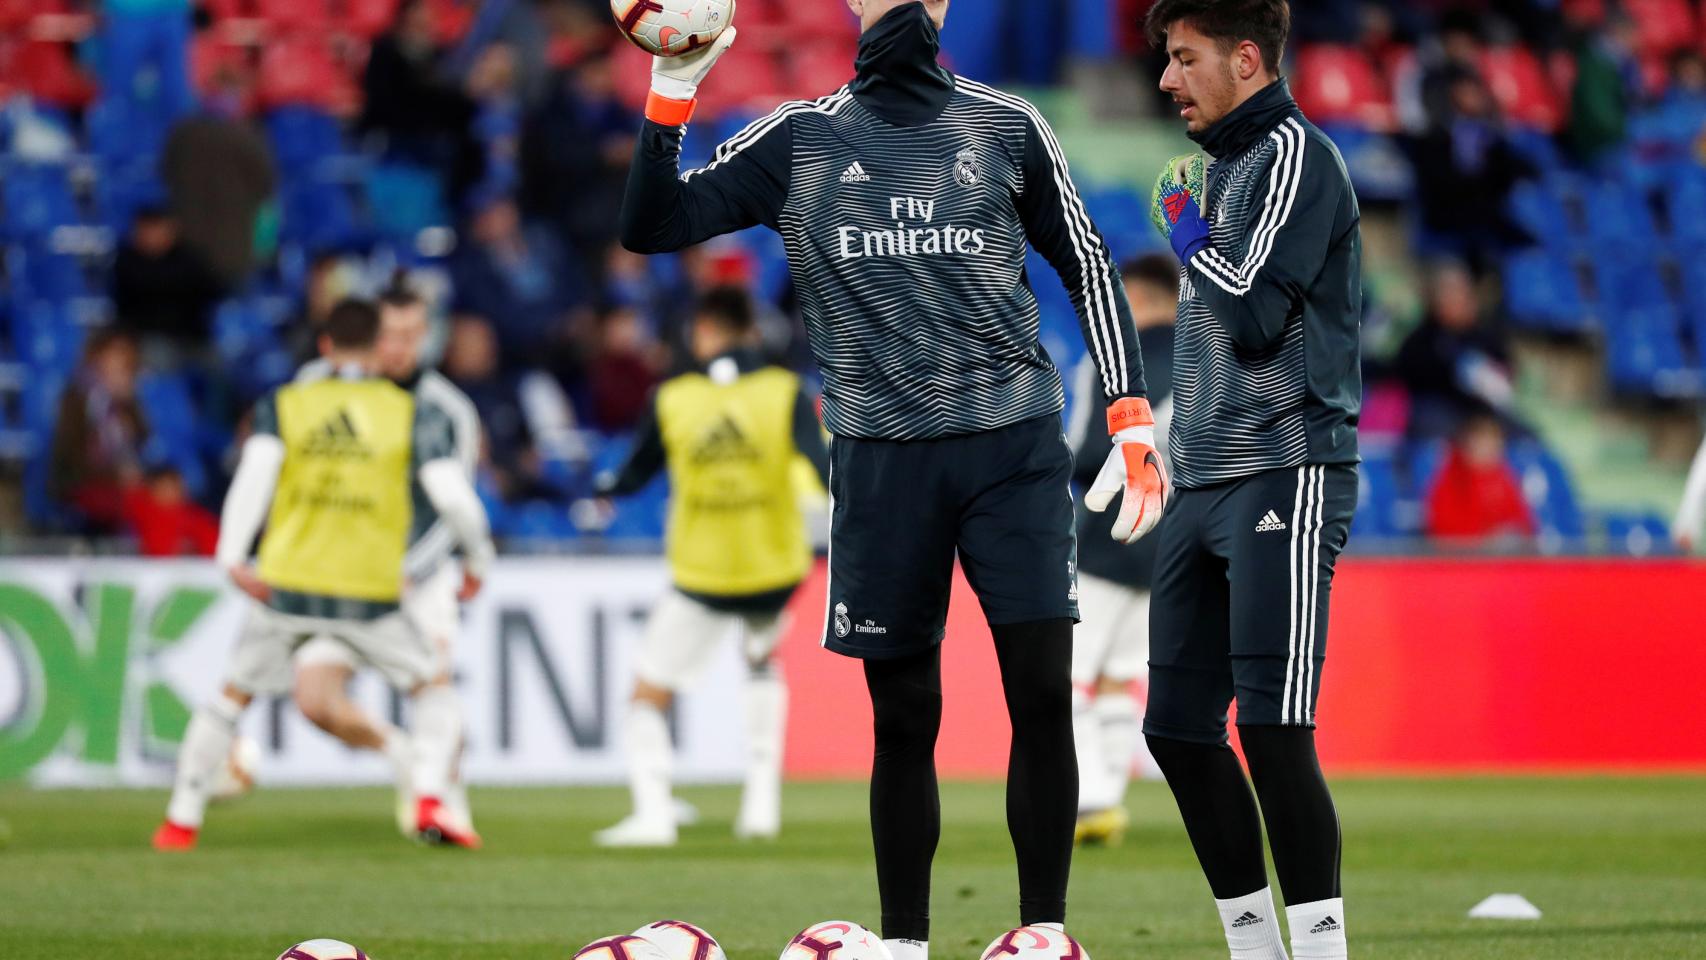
1221 817
1042 774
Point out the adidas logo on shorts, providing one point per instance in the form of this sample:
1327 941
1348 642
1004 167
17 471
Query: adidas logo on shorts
1270 523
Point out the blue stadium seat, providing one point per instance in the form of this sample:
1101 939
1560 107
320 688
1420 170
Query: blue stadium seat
1628 275
1617 212
1644 353
1540 208
1377 513
403 200
302 139
1377 165
1547 487
1543 292
1638 534
36 197
1686 205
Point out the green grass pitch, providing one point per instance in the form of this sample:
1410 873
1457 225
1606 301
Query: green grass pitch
1618 866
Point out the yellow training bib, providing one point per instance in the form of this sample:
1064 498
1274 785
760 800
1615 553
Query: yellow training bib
734 520
340 519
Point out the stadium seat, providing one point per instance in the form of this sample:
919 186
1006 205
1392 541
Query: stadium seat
47 72
36 198
1665 26
1377 513
1335 84
1541 209
367 18
1547 488
1644 353
1685 205
1543 292
1377 165
1638 534
1524 92
1627 277
295 16
1617 213
299 71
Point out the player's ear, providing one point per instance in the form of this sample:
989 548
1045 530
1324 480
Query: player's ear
858 8
1249 60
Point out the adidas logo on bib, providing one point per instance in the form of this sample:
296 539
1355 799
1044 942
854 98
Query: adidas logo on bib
855 174
1270 523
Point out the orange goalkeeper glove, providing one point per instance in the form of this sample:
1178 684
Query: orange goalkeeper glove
1133 472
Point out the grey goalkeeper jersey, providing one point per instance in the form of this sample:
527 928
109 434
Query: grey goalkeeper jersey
906 201
1267 361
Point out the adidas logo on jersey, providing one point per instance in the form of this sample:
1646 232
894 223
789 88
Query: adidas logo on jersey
724 442
1270 523
1327 925
337 437
855 174
1247 920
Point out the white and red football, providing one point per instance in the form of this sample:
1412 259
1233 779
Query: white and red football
836 940
621 948
1035 943
323 950
680 940
670 28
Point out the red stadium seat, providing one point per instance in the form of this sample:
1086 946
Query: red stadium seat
365 18
749 78
296 15
1521 87
1665 26
821 67
300 71
1338 85
211 53
46 71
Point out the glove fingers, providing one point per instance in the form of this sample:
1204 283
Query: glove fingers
1109 484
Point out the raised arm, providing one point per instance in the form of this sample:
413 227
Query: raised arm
1287 238
745 186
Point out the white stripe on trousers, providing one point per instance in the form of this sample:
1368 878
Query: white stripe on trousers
1308 517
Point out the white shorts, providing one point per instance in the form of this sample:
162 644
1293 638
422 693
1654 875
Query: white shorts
1112 640
262 662
432 611
683 635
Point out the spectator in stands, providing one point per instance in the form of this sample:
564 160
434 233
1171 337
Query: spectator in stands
416 104
219 172
1455 365
165 521
101 431
519 277
1477 497
1466 166
628 360
1674 128
471 362
1607 89
575 152
163 291
493 86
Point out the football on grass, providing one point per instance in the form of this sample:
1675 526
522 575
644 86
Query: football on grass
670 28
680 940
323 950
836 940
1035 943
621 948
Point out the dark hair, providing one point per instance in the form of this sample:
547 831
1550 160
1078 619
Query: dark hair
1157 269
106 338
353 324
729 306
1266 23
400 296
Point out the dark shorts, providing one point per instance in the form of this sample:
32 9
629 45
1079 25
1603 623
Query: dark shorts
1239 609
901 510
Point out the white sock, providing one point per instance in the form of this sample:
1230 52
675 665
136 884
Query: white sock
1116 714
1318 929
207 742
766 727
1095 792
1252 926
651 762
437 722
908 949
399 752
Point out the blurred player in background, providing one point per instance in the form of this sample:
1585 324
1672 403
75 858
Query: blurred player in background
330 470
729 434
1110 652
325 666
908 201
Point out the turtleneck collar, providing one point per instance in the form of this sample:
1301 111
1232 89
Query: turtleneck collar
1249 122
898 78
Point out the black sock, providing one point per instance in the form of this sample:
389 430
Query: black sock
1042 769
906 811
1219 812
1303 826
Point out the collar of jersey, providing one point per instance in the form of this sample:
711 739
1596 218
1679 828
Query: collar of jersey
898 77
1249 122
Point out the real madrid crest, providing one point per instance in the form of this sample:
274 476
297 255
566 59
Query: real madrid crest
843 625
966 170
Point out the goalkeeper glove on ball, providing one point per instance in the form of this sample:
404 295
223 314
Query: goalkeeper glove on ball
676 80
1175 205
1133 472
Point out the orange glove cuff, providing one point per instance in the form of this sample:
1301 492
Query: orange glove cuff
1129 412
670 113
